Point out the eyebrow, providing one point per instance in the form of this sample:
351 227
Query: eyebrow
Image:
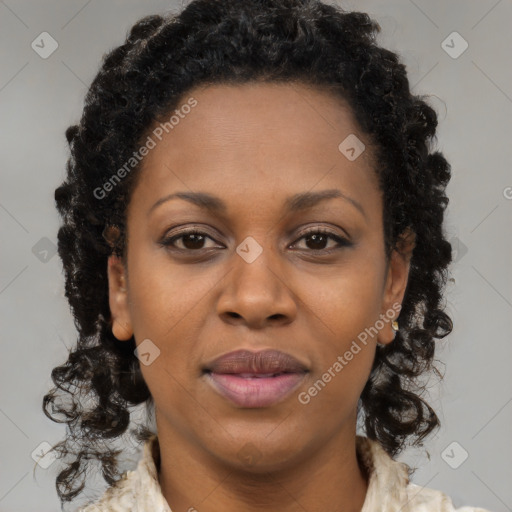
297 202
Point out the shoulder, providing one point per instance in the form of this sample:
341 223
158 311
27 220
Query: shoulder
422 499
137 489
389 486
119 497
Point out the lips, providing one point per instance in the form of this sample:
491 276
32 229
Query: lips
268 362
255 379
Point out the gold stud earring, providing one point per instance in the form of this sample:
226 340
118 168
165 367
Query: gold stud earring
394 326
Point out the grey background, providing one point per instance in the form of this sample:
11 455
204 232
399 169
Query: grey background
40 98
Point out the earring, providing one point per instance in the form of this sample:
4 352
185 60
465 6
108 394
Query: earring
394 326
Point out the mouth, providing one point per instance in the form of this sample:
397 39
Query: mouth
253 391
255 379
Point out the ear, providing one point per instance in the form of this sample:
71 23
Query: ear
396 282
118 299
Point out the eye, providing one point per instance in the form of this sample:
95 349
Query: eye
190 240
315 240
318 238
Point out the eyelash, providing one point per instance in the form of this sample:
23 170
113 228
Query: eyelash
343 242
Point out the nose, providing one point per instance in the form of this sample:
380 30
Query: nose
257 292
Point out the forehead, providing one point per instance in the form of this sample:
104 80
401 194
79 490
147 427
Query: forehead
253 141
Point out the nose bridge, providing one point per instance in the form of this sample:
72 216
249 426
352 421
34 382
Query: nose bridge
255 266
256 289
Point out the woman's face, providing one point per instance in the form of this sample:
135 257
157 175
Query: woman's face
259 276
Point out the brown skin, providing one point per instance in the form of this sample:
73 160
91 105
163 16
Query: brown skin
253 146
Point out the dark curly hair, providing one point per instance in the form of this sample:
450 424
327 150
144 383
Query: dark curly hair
141 82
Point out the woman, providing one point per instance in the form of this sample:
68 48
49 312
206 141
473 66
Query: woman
253 247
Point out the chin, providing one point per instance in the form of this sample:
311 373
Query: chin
259 450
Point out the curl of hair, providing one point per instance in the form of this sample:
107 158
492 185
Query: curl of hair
139 83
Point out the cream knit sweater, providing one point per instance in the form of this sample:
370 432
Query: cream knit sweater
389 489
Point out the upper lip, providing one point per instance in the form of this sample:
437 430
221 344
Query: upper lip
264 361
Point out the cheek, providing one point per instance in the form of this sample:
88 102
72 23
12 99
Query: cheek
164 295
346 307
347 300
345 352
167 307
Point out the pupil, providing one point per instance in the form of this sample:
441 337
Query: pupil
196 239
316 238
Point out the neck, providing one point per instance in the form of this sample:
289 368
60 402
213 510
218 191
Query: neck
330 477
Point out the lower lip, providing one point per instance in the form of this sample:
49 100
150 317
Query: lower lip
257 391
